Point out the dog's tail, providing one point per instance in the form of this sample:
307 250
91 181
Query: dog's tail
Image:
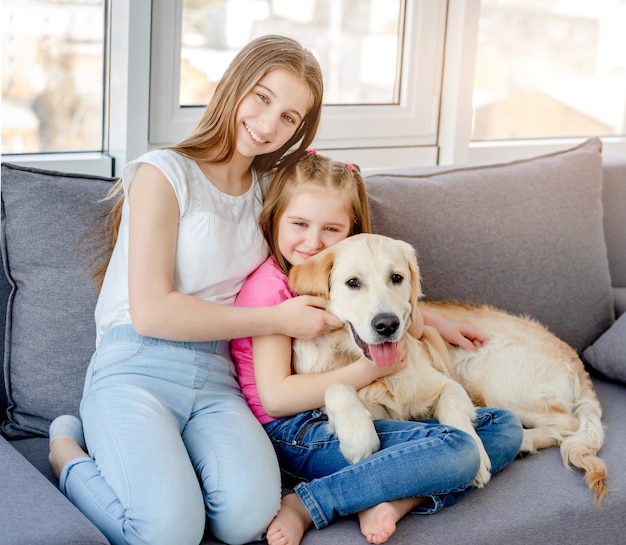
580 449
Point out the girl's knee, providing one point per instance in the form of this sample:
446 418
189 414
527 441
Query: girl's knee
501 432
179 520
245 519
502 422
240 535
512 431
497 421
504 418
243 528
175 527
465 456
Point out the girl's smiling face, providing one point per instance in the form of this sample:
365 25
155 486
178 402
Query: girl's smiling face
314 219
270 114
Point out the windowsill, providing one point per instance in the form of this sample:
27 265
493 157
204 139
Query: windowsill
94 163
511 150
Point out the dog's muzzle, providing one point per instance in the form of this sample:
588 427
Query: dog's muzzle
383 354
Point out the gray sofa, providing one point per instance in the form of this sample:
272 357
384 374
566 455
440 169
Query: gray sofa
544 236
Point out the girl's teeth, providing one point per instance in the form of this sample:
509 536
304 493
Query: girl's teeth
255 135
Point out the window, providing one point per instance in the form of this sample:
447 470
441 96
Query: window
408 82
356 42
52 76
381 61
550 69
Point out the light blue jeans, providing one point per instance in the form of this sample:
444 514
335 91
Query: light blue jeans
416 459
171 442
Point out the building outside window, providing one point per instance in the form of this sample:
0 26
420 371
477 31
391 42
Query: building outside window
550 69
52 76
357 43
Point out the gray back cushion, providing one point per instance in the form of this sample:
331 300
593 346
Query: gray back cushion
614 198
526 236
47 219
5 291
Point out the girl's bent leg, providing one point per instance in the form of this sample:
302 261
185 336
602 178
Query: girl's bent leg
501 433
238 469
140 486
416 459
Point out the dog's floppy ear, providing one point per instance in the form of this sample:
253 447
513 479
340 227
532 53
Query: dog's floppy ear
416 284
312 276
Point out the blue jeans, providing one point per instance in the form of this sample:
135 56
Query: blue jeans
171 442
416 459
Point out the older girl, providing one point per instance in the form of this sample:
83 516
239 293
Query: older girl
170 438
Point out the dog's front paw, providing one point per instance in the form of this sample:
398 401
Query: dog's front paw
359 442
482 477
484 472
351 422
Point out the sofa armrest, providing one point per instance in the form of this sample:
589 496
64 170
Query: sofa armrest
33 511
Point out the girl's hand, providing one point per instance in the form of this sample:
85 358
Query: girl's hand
459 334
463 335
305 317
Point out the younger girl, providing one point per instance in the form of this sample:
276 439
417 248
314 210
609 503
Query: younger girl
421 465
171 441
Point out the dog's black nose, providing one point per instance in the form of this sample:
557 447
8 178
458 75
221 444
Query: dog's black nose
386 324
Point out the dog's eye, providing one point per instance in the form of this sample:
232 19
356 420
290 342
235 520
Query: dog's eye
353 282
396 278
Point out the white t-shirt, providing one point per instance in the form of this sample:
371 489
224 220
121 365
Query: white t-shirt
219 241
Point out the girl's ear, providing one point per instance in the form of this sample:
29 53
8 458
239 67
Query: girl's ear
313 276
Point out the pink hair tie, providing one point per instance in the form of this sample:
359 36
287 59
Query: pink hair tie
350 166
311 152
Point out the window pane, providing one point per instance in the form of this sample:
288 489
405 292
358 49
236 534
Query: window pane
356 42
52 75
554 68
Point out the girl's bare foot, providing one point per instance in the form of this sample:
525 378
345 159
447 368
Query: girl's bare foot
290 523
378 523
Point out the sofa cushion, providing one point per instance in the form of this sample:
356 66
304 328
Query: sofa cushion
50 333
33 512
5 291
608 354
526 236
614 199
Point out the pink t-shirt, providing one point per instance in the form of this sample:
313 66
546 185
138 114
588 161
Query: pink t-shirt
268 285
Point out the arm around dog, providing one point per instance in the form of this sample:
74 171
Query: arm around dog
284 394
158 310
457 333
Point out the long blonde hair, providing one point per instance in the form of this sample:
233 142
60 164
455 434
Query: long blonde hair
319 171
213 139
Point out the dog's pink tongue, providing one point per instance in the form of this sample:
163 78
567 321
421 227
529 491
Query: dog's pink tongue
383 354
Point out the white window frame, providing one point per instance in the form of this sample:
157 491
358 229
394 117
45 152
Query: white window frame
410 125
129 81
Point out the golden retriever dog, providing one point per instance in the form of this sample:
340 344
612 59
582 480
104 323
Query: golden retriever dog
373 284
